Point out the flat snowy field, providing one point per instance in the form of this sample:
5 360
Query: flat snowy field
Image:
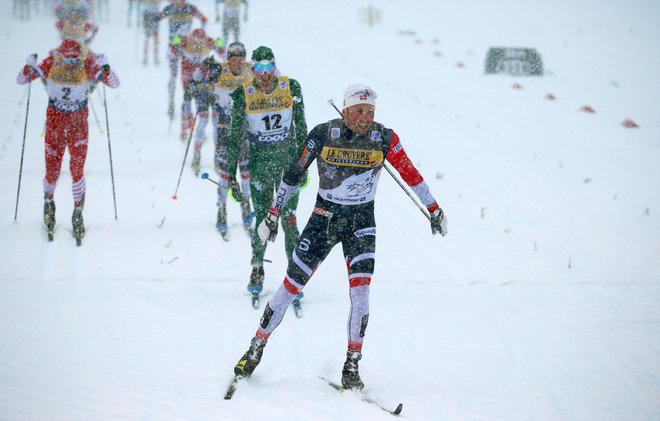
542 303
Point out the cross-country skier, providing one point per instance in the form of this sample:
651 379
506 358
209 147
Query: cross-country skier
151 27
200 87
350 153
195 48
180 14
235 72
63 8
269 110
75 27
231 21
69 77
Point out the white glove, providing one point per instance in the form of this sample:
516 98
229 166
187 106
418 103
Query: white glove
267 229
31 60
438 222
102 60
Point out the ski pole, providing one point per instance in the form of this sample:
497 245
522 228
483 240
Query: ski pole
205 176
331 102
192 129
112 173
185 156
96 117
20 171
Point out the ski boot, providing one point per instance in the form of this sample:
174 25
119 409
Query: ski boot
247 215
78 225
350 377
297 308
256 284
196 161
251 359
221 224
49 216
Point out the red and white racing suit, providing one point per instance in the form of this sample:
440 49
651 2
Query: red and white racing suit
68 87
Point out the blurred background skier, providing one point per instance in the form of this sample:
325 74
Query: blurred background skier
180 15
200 89
231 21
151 27
235 72
75 26
195 48
65 7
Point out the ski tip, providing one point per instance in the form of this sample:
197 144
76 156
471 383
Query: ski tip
398 409
205 175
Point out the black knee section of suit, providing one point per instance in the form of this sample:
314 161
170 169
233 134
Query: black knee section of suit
363 266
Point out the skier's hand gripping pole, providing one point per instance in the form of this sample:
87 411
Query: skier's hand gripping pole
267 229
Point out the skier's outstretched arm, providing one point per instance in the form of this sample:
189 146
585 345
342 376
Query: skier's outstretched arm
398 157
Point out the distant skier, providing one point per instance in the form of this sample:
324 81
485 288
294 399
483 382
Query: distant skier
151 26
69 77
63 8
270 112
195 48
74 26
200 89
180 14
235 72
231 21
351 153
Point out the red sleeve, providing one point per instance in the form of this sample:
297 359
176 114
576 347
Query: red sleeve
59 25
91 28
397 156
46 65
199 15
92 68
95 72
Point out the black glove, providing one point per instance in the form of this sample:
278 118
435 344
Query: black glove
235 189
303 180
438 222
102 60
267 229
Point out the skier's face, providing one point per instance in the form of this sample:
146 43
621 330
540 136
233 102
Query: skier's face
264 74
359 117
236 64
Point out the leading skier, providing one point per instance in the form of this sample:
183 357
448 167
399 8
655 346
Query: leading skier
351 153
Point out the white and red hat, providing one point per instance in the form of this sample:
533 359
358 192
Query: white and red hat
69 48
359 94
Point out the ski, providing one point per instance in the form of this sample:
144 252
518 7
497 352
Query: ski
364 397
50 232
232 387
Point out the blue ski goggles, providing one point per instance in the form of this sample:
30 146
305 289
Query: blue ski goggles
70 60
263 68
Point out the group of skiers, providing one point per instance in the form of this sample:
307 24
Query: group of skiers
260 133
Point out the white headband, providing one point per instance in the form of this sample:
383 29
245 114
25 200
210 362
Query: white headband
359 94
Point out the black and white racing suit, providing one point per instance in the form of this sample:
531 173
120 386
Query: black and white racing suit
349 167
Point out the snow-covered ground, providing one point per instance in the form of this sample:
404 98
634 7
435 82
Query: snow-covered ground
542 303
